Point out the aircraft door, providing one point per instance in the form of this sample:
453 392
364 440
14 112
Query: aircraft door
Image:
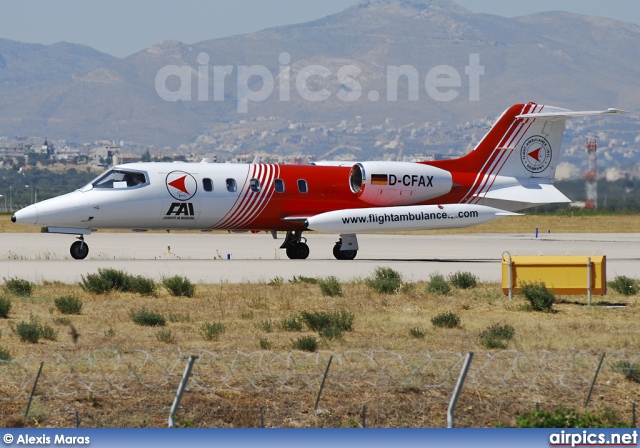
182 201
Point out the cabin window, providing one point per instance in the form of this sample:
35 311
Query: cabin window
118 179
207 184
302 186
279 185
255 185
232 187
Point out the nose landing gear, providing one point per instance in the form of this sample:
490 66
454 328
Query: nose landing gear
295 245
79 250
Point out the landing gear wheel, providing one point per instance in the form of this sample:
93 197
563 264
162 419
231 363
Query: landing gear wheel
299 251
79 250
343 254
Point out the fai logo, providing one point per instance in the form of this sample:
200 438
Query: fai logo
536 154
182 186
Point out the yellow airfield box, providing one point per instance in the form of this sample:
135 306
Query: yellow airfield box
564 275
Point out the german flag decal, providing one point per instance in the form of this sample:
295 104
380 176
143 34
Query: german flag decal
379 179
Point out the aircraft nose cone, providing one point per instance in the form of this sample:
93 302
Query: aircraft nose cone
28 215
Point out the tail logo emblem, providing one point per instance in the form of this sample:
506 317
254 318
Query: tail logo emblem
182 186
536 154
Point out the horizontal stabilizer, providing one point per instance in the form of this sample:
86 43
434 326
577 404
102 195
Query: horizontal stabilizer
531 194
564 114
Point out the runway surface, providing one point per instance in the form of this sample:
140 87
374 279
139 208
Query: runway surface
254 258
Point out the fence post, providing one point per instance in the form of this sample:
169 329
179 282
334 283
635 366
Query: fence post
510 267
33 390
458 389
326 371
589 281
364 415
180 391
77 419
262 417
593 383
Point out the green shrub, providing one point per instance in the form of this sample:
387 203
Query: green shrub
319 320
446 320
463 280
291 324
68 305
179 286
417 333
19 287
47 332
624 285
303 279
33 330
5 307
385 280
438 285
147 318
107 280
630 370
330 333
212 331
540 298
330 286
164 336
142 285
567 418
265 344
497 336
64 321
266 326
306 343
5 355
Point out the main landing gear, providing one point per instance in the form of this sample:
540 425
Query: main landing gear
295 245
297 249
343 254
79 250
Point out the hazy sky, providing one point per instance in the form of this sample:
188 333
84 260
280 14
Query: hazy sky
123 27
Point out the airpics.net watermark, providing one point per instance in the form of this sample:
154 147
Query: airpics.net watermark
256 83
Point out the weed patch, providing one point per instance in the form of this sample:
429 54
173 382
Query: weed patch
497 336
538 296
306 343
330 286
211 331
385 280
147 318
438 285
179 286
68 305
5 307
19 287
463 280
624 285
446 320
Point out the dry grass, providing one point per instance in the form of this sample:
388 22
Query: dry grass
383 322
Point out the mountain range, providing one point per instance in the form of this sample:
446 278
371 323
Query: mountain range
72 92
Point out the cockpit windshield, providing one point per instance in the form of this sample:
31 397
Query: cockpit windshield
119 178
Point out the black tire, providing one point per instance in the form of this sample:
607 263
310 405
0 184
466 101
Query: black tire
290 253
79 250
343 254
300 251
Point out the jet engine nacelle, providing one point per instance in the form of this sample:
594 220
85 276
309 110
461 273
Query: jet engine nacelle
398 183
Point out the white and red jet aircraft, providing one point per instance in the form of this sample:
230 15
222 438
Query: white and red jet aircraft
512 168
